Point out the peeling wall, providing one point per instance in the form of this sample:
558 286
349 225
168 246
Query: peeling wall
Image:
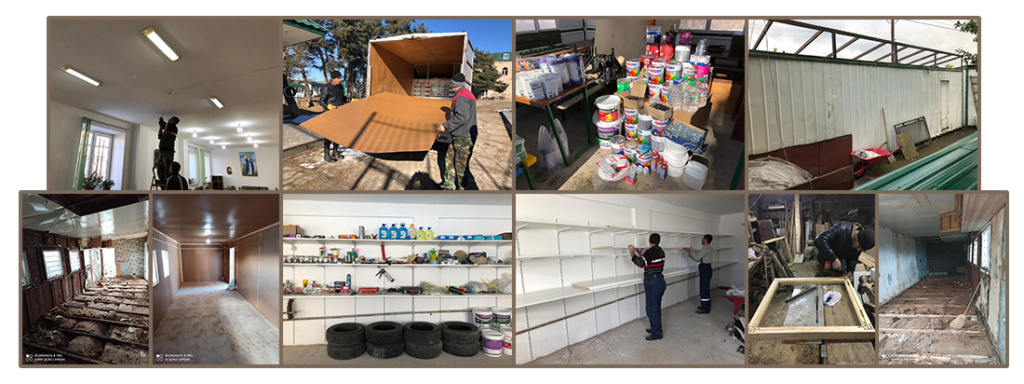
946 257
994 286
901 261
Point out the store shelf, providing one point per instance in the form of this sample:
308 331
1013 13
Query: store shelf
548 295
396 242
395 265
523 224
391 295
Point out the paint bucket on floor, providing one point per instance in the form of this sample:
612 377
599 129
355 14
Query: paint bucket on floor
482 317
492 342
506 340
502 318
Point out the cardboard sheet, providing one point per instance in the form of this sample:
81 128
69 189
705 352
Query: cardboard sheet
383 123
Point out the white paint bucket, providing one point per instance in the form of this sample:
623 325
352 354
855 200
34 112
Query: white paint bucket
492 342
502 318
506 343
482 317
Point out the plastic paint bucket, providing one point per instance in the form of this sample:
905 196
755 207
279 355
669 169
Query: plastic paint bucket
608 108
482 317
492 342
506 340
655 74
645 120
633 68
630 148
617 142
502 318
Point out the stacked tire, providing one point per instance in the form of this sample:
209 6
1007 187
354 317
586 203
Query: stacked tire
346 341
460 338
422 340
384 339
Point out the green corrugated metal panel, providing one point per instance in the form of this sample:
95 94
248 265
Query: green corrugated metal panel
952 168
790 56
308 25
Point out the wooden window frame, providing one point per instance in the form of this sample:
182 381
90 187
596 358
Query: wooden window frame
862 331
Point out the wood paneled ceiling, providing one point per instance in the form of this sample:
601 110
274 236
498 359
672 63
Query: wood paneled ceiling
191 219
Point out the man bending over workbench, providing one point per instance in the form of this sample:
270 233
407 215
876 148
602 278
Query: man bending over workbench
653 263
840 246
460 125
703 258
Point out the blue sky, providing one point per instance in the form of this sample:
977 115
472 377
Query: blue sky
486 35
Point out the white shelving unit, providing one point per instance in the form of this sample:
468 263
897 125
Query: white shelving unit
394 296
398 265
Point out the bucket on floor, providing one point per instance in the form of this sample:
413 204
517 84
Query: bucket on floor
502 318
493 341
506 342
482 317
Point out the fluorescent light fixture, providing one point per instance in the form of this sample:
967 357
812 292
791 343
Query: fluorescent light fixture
81 76
159 42
222 146
211 141
248 137
256 145
216 102
194 133
239 127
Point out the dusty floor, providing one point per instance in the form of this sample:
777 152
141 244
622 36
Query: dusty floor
106 323
803 312
689 338
529 119
924 150
317 355
914 326
207 324
490 165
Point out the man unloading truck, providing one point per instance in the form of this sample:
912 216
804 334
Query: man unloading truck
840 246
167 134
460 125
332 96
703 258
653 262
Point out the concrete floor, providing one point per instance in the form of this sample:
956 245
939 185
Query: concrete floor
689 338
529 119
317 355
208 324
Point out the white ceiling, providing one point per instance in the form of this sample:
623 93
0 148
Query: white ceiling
392 198
238 61
915 215
718 204
41 214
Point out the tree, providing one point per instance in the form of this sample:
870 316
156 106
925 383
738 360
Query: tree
971 27
486 76
348 41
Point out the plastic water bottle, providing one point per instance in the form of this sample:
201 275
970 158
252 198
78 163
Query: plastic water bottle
702 88
383 232
421 235
691 97
393 233
412 231
430 234
403 234
675 95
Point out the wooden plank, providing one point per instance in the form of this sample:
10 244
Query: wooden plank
811 333
763 307
843 313
811 280
907 146
775 239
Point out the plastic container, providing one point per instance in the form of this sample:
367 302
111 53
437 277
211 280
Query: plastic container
492 342
654 92
663 95
673 72
645 120
617 142
482 317
645 137
695 172
622 85
382 233
552 84
421 234
430 234
632 131
655 75
658 144
608 108
691 97
605 129
682 53
506 340
633 68
502 318
629 149
393 232
403 233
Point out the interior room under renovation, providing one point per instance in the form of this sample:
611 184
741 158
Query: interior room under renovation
397 280
804 312
943 278
581 299
85 297
215 295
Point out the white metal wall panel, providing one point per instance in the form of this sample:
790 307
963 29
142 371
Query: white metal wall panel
796 102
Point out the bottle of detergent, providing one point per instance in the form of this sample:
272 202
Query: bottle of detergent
421 234
383 232
430 234
412 231
393 232
403 234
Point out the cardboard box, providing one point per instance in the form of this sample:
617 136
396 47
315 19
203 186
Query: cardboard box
293 230
659 114
636 103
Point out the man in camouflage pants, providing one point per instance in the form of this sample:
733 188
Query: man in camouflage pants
460 125
165 156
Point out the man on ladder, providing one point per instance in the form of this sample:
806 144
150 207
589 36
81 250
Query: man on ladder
165 156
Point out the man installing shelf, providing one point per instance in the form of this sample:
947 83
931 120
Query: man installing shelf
653 262
703 258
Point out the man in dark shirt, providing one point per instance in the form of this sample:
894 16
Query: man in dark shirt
176 182
332 96
167 135
460 125
653 263
840 246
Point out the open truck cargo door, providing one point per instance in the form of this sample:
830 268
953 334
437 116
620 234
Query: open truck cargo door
410 64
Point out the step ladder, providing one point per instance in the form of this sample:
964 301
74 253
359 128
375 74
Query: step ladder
153 185
976 91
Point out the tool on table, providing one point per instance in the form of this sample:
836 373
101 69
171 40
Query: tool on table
383 274
959 321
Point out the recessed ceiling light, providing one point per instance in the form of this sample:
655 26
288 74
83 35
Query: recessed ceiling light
222 146
256 145
194 133
166 49
248 137
208 239
239 127
80 75
211 141
216 102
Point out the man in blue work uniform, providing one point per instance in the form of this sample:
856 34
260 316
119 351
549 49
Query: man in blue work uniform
703 258
653 262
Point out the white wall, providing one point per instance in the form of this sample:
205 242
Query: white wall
65 134
606 210
902 262
145 141
268 163
336 218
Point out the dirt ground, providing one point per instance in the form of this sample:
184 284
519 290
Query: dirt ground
490 166
923 150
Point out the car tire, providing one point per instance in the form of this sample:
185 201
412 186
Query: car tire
461 349
346 352
384 332
422 333
423 351
385 351
460 332
346 334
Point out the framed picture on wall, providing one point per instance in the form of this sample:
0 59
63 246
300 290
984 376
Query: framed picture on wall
248 160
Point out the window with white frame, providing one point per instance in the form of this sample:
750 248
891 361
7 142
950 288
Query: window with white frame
165 264
986 242
156 276
73 261
193 164
54 267
504 71
98 159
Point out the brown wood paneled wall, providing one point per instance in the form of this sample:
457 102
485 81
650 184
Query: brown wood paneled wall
164 290
258 271
43 294
203 263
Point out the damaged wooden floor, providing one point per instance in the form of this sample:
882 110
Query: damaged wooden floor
208 324
107 323
914 326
